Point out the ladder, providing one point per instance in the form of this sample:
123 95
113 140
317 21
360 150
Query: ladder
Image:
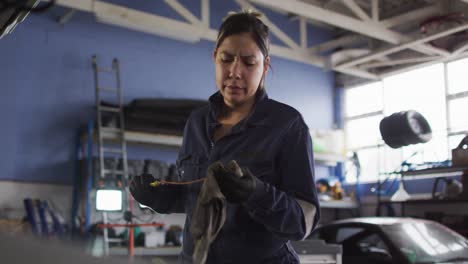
104 147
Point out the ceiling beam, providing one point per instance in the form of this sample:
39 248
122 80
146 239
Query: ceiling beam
398 62
154 24
62 20
146 22
82 5
418 14
408 45
460 48
390 22
205 12
360 73
303 32
273 28
356 9
336 43
184 12
418 66
374 30
375 10
333 18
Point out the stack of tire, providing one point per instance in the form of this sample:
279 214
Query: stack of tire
405 128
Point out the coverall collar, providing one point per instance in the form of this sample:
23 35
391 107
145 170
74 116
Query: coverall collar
255 118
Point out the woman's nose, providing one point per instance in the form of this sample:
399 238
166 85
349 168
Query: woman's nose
235 70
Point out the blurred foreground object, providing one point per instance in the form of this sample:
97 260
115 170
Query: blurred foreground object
27 250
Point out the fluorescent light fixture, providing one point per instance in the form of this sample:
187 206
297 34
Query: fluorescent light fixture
109 200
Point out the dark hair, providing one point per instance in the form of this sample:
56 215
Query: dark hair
246 21
242 22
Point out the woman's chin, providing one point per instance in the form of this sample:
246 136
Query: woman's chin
234 99
234 102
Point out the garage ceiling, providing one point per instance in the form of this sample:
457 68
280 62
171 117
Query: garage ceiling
373 38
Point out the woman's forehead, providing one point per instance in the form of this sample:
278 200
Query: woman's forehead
243 42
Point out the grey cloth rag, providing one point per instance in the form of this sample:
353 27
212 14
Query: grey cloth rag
210 212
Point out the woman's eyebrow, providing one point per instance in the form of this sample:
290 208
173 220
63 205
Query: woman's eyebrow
250 56
227 53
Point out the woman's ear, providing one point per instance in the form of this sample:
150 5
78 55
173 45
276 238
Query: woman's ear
215 52
266 64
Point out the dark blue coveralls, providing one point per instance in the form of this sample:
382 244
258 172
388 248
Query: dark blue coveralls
274 143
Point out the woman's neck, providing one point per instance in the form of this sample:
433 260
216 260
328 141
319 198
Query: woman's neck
235 113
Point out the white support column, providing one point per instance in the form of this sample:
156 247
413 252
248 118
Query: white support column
303 31
273 28
184 12
356 9
375 10
205 13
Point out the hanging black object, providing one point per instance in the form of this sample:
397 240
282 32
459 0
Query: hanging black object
405 128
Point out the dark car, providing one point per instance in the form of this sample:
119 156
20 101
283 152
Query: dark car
393 240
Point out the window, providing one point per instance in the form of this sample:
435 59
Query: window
363 132
363 112
457 101
457 76
458 117
358 102
422 90
444 106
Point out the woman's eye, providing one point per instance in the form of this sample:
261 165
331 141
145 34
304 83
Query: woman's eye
249 63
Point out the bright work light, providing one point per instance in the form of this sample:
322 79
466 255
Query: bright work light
109 200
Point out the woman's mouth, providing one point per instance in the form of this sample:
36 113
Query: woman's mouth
233 88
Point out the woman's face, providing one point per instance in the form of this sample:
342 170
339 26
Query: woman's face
240 66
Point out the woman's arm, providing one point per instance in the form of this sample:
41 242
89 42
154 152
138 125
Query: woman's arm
291 209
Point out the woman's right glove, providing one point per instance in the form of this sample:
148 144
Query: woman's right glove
235 183
141 190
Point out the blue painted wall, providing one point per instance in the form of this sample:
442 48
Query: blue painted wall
47 85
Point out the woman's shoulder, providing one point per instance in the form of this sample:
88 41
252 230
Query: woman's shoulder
199 113
284 113
283 108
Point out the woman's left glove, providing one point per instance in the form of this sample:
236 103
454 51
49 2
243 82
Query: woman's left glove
235 183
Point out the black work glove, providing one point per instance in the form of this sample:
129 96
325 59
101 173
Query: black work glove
235 183
141 190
